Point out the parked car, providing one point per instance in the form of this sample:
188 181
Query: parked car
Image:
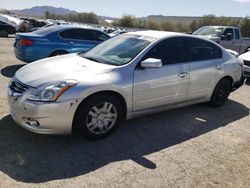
227 36
246 59
56 40
29 24
6 29
126 76
117 32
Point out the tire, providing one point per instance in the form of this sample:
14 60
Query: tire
221 93
93 121
4 33
58 52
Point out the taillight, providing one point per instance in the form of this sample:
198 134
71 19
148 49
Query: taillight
26 42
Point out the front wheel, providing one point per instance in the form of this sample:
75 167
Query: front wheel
221 93
98 116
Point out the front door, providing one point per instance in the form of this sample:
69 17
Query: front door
155 87
228 40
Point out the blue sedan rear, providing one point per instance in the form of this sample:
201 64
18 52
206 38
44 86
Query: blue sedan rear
56 40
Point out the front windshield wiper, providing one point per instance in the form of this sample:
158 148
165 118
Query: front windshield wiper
92 59
96 60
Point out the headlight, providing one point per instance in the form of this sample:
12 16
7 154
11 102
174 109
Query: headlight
52 92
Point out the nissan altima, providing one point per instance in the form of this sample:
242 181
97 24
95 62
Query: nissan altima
130 75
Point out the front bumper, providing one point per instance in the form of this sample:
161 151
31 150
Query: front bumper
21 54
52 118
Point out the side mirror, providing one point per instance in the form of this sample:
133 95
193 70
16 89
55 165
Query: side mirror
151 63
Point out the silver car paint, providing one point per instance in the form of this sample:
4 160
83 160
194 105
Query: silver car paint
144 90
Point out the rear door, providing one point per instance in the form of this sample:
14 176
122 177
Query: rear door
154 87
206 65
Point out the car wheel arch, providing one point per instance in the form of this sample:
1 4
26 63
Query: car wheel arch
116 94
58 52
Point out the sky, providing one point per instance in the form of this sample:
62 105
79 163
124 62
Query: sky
140 8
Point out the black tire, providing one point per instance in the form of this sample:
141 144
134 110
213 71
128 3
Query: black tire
81 115
4 33
58 52
221 93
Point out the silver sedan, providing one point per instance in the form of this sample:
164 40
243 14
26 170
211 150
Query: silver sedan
129 75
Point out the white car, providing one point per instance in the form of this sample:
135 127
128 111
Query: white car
126 76
246 59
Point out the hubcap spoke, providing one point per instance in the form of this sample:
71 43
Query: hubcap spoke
101 118
93 114
96 109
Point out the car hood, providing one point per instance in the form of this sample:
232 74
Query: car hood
245 56
60 68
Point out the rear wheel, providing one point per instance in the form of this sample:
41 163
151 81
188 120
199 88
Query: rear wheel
221 93
98 116
4 33
58 52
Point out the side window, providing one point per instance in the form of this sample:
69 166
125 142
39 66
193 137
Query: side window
229 33
170 51
98 36
237 34
77 34
203 50
68 34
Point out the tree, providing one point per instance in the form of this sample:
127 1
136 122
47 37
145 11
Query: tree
46 14
245 27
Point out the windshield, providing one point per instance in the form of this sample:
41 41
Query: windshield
210 31
118 50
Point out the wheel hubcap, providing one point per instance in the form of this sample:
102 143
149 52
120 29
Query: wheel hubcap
101 118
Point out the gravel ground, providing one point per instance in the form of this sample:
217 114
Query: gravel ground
195 146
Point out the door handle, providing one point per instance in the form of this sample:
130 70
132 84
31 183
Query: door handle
183 74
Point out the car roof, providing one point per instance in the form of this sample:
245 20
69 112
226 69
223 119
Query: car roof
156 34
56 28
223 26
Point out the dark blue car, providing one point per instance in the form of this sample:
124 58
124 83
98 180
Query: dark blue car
56 40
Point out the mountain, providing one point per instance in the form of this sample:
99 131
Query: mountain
40 11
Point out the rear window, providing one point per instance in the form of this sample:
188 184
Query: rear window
237 34
46 30
203 50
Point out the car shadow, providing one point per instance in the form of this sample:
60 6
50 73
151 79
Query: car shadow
33 158
10 71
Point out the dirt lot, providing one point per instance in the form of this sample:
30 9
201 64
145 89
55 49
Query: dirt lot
195 146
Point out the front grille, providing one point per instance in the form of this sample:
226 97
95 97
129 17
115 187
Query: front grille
247 63
18 87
